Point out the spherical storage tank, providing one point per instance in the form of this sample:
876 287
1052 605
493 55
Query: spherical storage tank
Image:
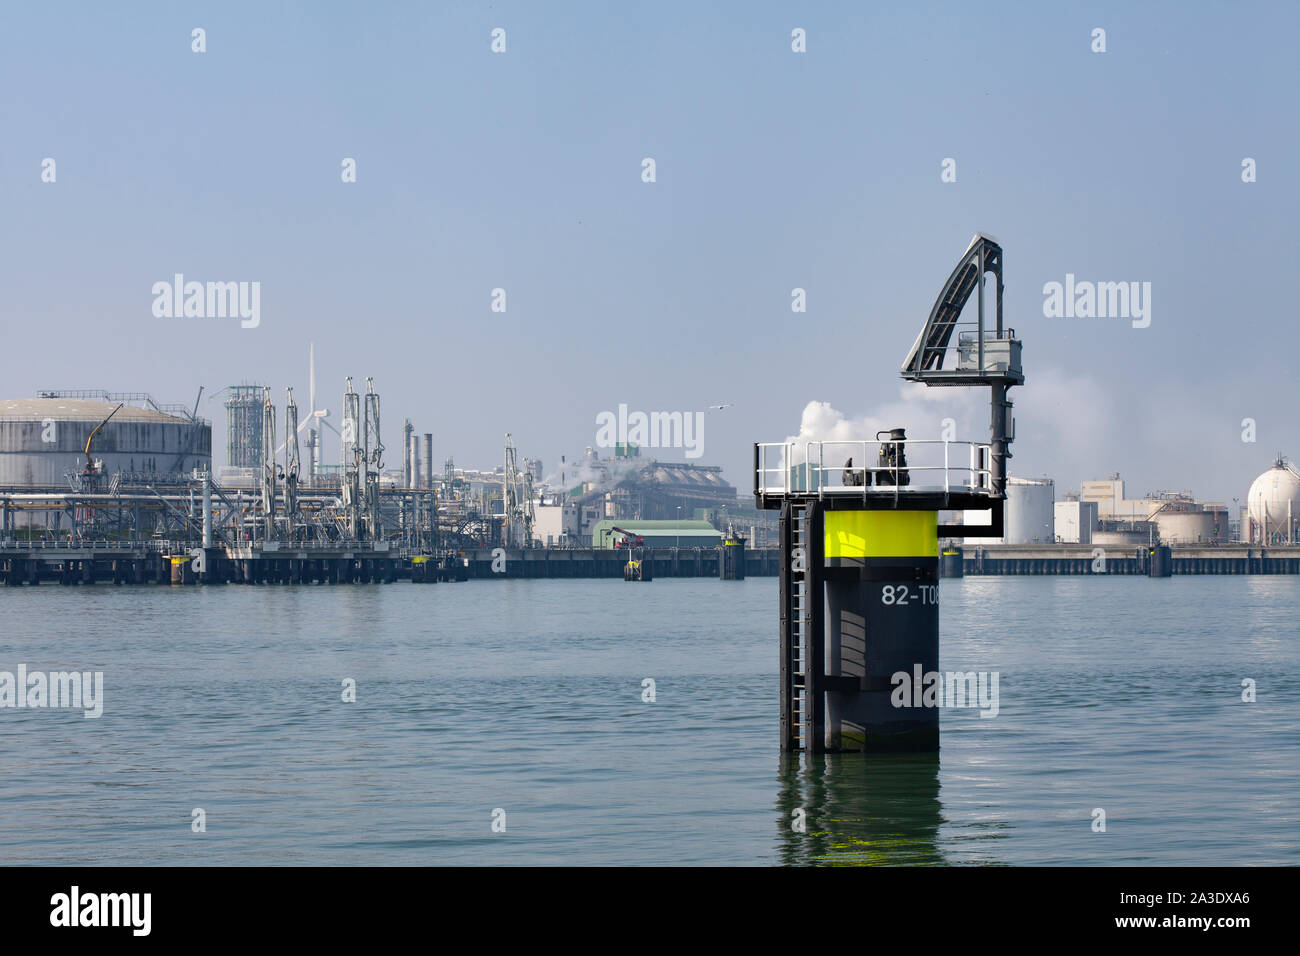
43 439
1274 497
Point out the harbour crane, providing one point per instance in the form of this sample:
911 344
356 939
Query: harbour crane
630 538
91 472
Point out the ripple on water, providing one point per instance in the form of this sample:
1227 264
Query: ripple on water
525 696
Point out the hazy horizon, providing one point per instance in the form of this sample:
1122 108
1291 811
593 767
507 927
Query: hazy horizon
774 170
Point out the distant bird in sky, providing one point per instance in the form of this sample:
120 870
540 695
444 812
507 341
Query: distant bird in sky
720 407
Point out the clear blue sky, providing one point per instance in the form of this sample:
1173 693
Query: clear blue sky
775 170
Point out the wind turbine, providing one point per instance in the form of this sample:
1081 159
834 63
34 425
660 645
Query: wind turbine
311 421
314 418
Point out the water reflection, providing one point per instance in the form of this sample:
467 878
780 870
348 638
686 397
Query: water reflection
861 809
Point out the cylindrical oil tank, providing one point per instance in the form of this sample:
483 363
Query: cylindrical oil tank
1030 511
1120 539
43 441
1192 527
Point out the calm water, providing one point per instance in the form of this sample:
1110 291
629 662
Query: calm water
1119 693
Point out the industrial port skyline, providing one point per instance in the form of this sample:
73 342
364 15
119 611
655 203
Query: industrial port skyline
819 421
677 435
394 274
41 451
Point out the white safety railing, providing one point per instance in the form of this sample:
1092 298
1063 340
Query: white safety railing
838 468
64 544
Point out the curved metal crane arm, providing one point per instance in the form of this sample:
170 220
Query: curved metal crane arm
928 350
95 432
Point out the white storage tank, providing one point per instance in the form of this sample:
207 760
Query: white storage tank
1028 516
43 439
1273 504
1121 539
1192 526
1030 511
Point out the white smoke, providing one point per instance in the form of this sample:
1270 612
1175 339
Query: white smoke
599 472
1071 428
1070 425
924 412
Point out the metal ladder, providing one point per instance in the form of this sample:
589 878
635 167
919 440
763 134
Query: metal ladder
799 701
